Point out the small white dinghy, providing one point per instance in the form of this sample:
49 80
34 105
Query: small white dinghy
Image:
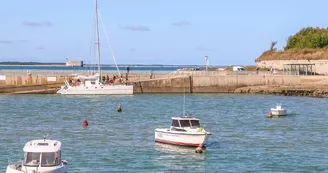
279 110
41 156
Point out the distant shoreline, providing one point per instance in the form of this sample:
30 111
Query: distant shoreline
32 65
110 65
107 65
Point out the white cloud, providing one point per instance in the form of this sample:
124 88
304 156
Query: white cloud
5 42
204 49
136 28
181 23
37 24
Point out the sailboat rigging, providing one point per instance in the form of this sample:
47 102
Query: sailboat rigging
109 44
95 84
184 99
97 38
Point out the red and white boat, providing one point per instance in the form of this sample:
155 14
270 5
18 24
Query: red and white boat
184 131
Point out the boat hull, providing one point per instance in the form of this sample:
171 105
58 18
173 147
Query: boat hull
57 169
181 138
97 90
278 112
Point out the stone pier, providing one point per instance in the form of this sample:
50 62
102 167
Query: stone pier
190 82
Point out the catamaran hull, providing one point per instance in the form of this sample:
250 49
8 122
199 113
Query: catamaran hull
180 138
99 90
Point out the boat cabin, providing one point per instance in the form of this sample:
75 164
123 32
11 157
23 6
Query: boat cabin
42 153
86 80
184 122
279 107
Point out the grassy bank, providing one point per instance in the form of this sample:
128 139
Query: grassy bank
295 54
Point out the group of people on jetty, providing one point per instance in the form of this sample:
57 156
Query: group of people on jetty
115 79
105 80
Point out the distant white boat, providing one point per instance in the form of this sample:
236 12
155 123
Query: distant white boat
95 85
278 110
41 156
185 131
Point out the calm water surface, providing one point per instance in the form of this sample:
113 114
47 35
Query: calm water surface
243 139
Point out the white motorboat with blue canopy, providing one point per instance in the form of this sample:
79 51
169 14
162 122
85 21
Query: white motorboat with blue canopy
185 131
41 156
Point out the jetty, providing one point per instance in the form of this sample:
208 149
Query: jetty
179 82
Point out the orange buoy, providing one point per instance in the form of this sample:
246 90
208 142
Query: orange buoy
85 123
119 108
199 149
269 115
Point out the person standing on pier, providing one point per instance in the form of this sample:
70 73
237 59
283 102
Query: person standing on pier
128 69
127 73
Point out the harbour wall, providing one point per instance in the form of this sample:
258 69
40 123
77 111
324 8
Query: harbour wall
46 79
312 86
182 82
46 83
217 84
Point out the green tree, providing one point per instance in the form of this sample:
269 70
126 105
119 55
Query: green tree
272 47
308 38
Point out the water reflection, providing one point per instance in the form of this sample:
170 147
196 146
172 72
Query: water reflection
177 158
177 150
174 149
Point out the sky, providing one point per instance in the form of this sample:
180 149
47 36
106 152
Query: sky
180 32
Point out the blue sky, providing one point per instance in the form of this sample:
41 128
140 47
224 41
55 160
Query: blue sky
229 32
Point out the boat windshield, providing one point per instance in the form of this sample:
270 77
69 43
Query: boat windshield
50 159
175 123
32 159
47 159
195 123
184 123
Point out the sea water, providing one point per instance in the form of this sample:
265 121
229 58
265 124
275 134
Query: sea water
243 139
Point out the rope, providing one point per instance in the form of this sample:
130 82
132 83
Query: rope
109 44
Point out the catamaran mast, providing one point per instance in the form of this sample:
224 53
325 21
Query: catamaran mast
97 38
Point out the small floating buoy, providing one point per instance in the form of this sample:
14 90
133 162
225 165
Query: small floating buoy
85 123
119 108
199 149
269 115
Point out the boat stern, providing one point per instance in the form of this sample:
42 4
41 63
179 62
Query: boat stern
11 169
64 87
24 169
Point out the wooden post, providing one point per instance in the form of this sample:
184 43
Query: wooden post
140 87
190 84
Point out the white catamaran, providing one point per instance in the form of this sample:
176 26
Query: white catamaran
95 84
